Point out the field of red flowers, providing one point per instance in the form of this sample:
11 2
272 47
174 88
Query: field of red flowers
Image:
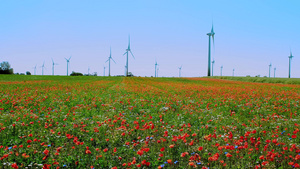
117 122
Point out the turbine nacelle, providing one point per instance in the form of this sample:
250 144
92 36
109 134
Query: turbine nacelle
68 60
291 55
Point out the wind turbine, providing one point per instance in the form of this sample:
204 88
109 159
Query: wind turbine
157 71
88 71
212 68
290 59
34 70
68 60
180 70
210 34
125 70
221 69
274 71
128 50
270 65
104 71
108 60
43 66
53 66
155 68
232 72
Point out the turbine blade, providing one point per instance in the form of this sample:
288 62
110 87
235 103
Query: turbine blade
107 60
113 60
132 55
128 41
70 57
52 60
125 53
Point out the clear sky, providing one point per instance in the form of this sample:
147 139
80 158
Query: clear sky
249 34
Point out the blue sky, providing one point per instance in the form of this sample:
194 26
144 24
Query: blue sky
249 35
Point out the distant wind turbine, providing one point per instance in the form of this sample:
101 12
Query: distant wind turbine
108 60
290 60
270 65
221 69
128 50
232 72
157 71
88 70
212 67
274 71
180 70
68 60
210 34
53 66
155 68
34 70
125 70
104 71
43 66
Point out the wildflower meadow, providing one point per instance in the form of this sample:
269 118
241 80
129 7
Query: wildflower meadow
121 122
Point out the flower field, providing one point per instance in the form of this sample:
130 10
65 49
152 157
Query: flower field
118 122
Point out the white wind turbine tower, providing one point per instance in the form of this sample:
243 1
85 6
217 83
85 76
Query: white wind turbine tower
270 65
53 66
274 71
104 71
232 72
180 70
108 60
128 50
68 60
290 60
156 69
43 66
221 69
210 34
212 67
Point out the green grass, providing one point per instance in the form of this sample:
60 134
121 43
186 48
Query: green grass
20 78
261 79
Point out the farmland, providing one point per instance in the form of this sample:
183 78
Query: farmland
118 122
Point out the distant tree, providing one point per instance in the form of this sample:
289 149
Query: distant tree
95 74
76 74
130 74
5 65
28 73
5 68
